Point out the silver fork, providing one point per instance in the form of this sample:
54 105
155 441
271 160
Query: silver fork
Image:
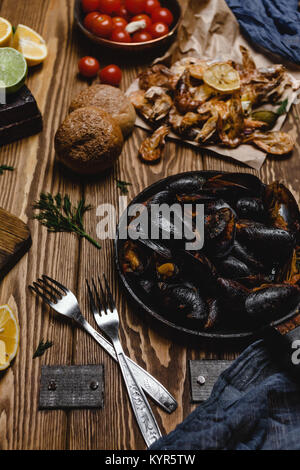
107 318
63 301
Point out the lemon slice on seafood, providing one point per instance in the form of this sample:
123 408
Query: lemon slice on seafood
9 336
222 77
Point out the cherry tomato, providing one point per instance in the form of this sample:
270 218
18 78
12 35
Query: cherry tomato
135 7
120 35
110 7
141 36
90 5
111 75
89 20
88 66
144 17
162 15
158 30
102 26
124 13
151 5
119 22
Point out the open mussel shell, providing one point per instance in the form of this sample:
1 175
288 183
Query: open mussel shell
234 185
219 232
282 208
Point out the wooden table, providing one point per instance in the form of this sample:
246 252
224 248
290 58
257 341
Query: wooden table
70 261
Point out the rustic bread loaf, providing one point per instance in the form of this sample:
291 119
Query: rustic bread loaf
110 99
88 141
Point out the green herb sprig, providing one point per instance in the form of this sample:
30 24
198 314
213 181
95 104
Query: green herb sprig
282 108
59 215
5 168
122 185
42 348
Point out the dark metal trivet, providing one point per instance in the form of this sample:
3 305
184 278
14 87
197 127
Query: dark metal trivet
203 376
72 387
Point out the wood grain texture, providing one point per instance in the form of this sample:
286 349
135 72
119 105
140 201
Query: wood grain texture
71 261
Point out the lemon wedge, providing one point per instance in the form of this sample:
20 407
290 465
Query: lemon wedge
5 32
9 336
30 44
222 77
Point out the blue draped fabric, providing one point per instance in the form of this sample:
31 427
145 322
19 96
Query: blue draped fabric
273 24
253 406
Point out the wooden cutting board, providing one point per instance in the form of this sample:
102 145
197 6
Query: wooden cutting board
15 241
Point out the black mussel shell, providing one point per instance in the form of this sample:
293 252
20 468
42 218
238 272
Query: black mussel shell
214 314
219 232
196 266
282 208
254 280
270 302
234 185
232 268
187 184
184 302
216 204
271 243
244 254
163 197
250 208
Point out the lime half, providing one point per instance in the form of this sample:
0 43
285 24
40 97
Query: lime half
13 70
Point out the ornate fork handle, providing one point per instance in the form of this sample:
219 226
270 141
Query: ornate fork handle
139 403
146 381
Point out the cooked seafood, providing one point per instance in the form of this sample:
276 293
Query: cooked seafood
247 272
151 149
216 102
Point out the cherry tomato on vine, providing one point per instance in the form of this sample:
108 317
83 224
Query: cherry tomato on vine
90 5
111 75
145 18
135 7
162 15
157 30
151 5
119 22
120 35
89 20
102 26
110 7
88 66
141 36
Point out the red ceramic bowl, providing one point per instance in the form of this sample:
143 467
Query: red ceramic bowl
162 42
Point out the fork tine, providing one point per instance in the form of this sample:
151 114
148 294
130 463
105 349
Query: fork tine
58 284
101 304
46 283
111 300
104 296
91 298
39 294
39 284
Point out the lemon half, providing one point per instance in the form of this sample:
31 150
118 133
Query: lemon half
30 44
9 336
222 77
5 32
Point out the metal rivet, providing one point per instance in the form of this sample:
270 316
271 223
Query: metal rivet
201 380
94 385
52 385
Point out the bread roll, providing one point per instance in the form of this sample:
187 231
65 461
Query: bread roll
110 99
88 141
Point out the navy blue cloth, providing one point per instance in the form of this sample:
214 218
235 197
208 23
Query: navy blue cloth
253 406
273 24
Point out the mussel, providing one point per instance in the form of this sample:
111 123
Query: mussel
219 232
233 268
232 294
250 208
187 184
272 301
282 208
214 314
184 302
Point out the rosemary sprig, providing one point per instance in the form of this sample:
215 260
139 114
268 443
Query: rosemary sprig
5 168
282 108
122 185
42 348
59 215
